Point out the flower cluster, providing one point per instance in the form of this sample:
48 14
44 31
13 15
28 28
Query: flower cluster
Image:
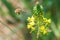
38 22
31 23
47 21
43 29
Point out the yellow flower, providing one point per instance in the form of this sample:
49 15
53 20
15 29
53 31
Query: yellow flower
29 26
44 19
31 19
47 21
43 30
32 23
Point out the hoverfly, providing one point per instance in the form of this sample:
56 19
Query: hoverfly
18 10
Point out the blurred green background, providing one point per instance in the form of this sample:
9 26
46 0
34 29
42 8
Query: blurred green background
13 19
